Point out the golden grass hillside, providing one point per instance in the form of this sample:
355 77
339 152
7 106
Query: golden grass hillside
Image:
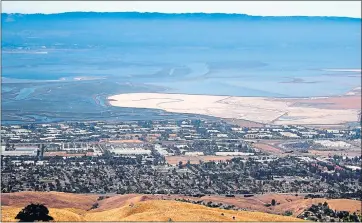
76 207
163 210
122 200
152 210
335 204
295 204
49 199
8 214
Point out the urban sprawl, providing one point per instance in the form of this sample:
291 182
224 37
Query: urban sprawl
191 157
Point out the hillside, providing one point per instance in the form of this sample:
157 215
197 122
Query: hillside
137 207
295 204
131 207
59 214
49 199
154 210
162 210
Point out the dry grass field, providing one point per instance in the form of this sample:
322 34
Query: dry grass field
8 214
50 199
295 204
136 207
154 210
162 210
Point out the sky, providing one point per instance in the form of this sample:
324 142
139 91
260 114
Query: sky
264 8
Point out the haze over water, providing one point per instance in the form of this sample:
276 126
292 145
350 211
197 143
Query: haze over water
215 54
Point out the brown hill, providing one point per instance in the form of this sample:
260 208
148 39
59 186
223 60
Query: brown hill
163 210
155 210
131 207
76 207
297 207
49 199
295 204
122 200
8 214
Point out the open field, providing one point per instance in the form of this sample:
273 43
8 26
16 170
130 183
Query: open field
268 148
174 160
162 210
327 111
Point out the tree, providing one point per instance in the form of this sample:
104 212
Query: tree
94 206
34 212
273 202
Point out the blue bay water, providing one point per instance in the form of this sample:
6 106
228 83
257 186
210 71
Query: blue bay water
256 55
43 57
24 92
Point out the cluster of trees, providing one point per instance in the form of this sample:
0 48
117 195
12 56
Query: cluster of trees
209 204
322 212
34 212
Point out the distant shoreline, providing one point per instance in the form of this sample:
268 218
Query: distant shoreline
344 70
192 15
267 97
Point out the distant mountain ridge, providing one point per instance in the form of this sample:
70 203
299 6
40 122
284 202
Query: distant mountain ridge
157 15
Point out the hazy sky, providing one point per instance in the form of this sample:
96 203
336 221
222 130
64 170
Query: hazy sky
306 8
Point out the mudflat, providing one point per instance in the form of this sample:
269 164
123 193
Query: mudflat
281 111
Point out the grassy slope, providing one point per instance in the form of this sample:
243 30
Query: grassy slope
75 207
154 210
162 210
